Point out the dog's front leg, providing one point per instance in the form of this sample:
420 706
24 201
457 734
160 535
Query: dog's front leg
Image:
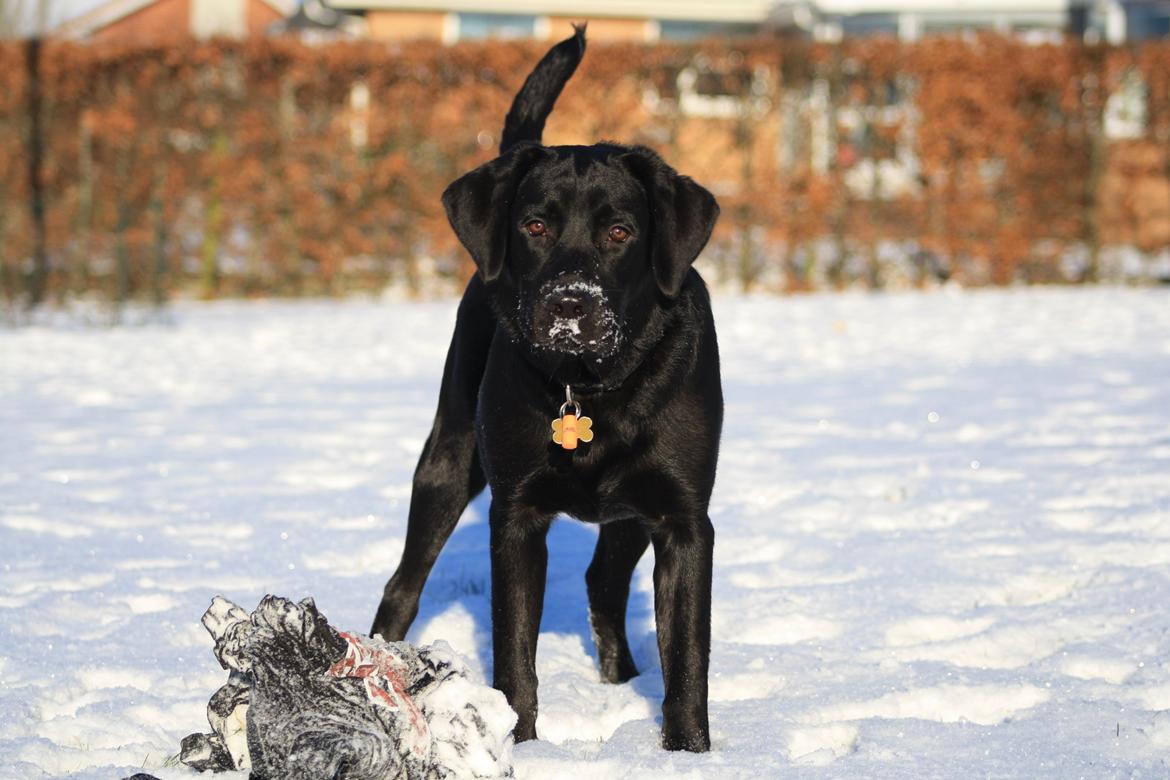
519 564
682 610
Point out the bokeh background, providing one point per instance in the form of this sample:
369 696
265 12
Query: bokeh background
161 148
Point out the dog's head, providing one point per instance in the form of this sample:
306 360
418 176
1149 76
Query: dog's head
579 243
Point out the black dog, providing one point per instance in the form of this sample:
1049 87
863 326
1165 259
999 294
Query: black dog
584 288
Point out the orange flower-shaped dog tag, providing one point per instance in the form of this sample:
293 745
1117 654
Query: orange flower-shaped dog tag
570 429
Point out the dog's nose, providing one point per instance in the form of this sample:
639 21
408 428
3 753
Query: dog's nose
569 305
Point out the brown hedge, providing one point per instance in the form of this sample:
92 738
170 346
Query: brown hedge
252 167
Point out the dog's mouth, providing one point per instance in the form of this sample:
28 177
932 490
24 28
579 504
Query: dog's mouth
573 316
565 332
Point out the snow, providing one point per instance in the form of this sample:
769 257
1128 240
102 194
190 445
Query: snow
564 326
943 533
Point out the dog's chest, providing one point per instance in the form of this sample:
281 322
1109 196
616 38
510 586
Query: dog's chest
582 493
600 482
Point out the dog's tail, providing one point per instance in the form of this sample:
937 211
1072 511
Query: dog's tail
534 102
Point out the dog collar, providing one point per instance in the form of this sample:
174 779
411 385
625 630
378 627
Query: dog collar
570 427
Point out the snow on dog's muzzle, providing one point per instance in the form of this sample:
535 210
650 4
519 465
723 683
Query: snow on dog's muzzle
571 314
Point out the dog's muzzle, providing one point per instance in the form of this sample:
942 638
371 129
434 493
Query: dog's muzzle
572 315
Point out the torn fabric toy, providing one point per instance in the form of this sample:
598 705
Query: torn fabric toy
304 700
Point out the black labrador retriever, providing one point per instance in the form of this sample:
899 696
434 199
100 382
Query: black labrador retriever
585 303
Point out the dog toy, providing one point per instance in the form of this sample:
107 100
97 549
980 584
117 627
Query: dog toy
304 700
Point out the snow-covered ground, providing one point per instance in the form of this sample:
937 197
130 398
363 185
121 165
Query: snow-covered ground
943 533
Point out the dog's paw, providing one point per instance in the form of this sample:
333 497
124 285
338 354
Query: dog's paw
693 740
525 729
620 669
685 729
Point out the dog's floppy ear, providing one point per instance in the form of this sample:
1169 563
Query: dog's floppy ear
478 204
683 215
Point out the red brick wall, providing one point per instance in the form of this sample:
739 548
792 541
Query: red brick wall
165 20
259 15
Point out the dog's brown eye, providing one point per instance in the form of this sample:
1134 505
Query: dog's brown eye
618 234
536 228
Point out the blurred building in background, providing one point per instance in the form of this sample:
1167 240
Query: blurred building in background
1038 20
450 21
827 20
630 20
171 20
316 22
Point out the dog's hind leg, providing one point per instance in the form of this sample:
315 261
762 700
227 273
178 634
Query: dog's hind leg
448 474
620 545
